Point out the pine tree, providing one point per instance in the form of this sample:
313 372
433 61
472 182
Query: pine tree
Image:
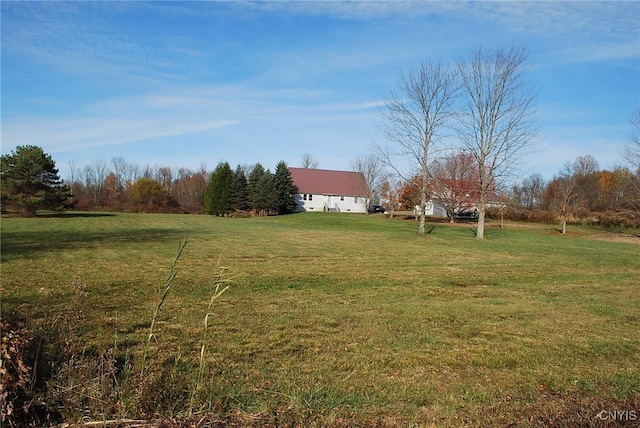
284 189
29 181
254 190
216 199
239 192
267 200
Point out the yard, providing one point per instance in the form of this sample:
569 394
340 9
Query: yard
339 320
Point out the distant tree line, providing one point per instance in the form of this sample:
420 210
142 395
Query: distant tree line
580 192
122 186
30 182
119 185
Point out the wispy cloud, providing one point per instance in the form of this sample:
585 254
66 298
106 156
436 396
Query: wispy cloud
174 111
69 134
573 31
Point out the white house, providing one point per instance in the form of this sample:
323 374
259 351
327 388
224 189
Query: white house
326 190
432 208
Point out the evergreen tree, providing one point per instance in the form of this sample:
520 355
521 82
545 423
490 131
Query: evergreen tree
284 189
239 192
216 199
29 181
254 189
268 201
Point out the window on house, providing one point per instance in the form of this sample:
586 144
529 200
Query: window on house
355 199
310 196
304 197
342 198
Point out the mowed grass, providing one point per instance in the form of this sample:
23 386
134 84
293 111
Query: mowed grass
354 315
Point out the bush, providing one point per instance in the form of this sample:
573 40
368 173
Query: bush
624 219
515 214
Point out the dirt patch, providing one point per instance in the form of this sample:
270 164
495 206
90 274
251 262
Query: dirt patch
627 238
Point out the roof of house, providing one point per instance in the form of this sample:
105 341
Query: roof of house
327 182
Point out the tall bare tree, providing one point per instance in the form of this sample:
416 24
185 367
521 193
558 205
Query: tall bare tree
497 123
631 151
586 174
309 162
632 154
372 178
413 120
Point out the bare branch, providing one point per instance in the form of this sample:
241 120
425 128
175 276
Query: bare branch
497 124
631 151
413 122
373 176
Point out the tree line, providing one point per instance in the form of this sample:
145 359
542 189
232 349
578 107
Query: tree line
30 182
580 192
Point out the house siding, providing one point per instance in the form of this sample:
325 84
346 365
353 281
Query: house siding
432 209
335 203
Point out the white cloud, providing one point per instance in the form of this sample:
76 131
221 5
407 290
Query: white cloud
176 111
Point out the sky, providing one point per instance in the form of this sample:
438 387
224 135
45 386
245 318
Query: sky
185 83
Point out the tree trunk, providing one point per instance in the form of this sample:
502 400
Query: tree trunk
480 231
564 226
482 205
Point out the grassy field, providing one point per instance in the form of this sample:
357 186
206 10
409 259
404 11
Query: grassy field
349 319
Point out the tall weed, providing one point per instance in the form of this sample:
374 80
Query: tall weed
220 284
49 374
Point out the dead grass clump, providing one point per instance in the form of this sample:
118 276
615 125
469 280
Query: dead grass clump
20 403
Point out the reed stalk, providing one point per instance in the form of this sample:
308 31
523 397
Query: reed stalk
173 271
220 284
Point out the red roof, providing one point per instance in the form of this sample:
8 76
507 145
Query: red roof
327 182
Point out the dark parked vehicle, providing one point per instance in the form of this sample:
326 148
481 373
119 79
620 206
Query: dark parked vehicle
467 214
374 209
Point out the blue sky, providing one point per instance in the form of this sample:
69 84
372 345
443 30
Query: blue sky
182 83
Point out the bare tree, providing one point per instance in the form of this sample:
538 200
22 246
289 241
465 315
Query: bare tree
74 176
529 194
413 121
372 178
631 151
94 177
164 176
586 175
497 123
309 162
564 201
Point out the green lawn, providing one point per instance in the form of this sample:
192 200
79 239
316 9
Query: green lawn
351 317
